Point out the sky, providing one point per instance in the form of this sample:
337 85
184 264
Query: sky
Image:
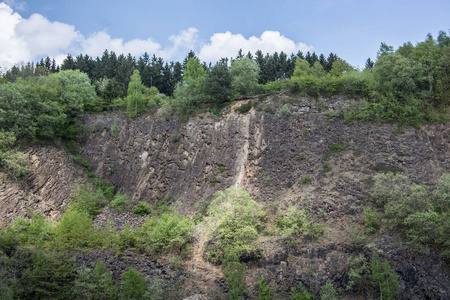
353 29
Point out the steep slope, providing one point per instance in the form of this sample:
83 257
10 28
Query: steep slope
47 188
270 155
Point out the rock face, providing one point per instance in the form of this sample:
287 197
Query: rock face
301 158
47 188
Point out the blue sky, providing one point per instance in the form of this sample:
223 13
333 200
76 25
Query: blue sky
352 29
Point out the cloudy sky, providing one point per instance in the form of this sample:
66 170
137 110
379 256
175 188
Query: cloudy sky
354 29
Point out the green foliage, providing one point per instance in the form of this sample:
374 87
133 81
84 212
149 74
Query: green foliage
264 290
331 115
89 201
328 292
284 112
134 286
306 179
384 278
233 272
245 108
371 220
326 167
358 274
14 162
155 290
273 86
300 293
94 284
50 276
115 128
106 188
166 231
136 98
35 231
244 73
75 231
142 208
423 214
235 221
298 223
99 125
121 202
218 83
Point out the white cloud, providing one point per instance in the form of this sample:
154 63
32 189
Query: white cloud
228 44
98 42
30 39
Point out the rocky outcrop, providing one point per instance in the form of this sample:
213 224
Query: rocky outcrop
270 155
47 188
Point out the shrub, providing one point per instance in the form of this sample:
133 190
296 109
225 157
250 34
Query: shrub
120 203
331 115
75 231
134 285
115 128
105 187
142 208
234 277
371 220
328 292
326 167
90 202
245 108
297 223
384 278
99 125
167 231
264 290
358 274
175 137
235 220
300 293
284 112
306 179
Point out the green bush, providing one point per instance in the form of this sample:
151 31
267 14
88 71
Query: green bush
134 286
306 179
371 220
235 221
300 293
142 208
273 87
115 128
384 278
298 223
328 292
234 277
284 112
421 213
105 187
75 231
121 202
167 231
94 284
90 202
264 290
99 125
244 108
358 274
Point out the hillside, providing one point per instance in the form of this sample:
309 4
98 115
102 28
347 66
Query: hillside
287 151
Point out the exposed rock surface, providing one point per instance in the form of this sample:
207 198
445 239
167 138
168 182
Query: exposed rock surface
270 156
47 188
